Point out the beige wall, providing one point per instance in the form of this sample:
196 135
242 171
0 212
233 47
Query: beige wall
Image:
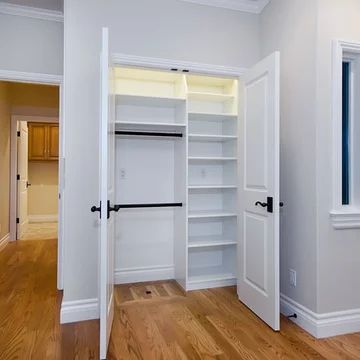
4 159
36 100
43 192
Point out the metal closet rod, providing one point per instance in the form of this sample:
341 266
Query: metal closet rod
147 133
154 205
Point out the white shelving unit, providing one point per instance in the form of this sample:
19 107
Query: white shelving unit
212 189
195 243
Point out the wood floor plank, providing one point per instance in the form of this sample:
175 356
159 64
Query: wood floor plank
154 320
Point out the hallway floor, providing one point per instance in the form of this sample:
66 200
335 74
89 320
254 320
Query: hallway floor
152 321
41 231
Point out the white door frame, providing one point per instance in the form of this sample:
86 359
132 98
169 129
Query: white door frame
41 79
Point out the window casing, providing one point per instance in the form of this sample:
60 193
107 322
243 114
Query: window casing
345 213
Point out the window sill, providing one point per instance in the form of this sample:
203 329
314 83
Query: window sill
345 218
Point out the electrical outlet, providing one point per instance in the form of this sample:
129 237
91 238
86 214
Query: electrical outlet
292 277
203 173
122 173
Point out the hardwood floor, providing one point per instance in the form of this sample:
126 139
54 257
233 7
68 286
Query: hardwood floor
30 306
152 320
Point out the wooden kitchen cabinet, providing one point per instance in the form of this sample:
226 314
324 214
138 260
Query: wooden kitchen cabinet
43 141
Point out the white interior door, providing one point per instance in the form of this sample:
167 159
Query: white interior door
258 280
23 181
107 196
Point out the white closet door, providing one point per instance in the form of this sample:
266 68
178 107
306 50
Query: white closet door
107 163
258 280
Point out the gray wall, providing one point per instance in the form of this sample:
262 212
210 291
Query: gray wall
290 27
339 250
161 28
31 45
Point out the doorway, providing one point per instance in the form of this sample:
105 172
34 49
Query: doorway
34 193
37 178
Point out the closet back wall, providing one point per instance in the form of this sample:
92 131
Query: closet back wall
170 29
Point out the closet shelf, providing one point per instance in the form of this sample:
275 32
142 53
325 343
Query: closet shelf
214 273
150 126
199 187
155 101
211 158
207 96
147 133
215 138
203 214
209 116
210 241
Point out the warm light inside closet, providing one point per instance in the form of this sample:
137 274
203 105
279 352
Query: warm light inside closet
188 156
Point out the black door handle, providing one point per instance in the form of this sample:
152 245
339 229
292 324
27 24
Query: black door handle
94 209
259 203
269 204
115 208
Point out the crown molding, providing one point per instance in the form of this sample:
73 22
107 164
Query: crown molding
161 63
31 12
11 75
249 6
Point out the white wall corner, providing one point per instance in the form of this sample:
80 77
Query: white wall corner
140 274
31 12
321 325
249 6
79 310
4 240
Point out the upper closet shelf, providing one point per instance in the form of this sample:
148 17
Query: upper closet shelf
155 101
211 97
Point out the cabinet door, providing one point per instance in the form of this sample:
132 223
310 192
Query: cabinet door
53 142
37 141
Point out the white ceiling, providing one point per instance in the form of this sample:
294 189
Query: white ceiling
252 6
56 5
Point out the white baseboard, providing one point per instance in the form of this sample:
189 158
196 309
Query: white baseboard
4 241
321 325
209 284
79 310
140 274
43 218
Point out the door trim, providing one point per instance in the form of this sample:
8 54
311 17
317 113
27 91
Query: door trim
45 79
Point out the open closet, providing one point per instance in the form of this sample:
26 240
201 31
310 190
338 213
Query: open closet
189 181
176 174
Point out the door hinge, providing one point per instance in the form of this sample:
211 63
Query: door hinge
17 220
18 133
18 177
